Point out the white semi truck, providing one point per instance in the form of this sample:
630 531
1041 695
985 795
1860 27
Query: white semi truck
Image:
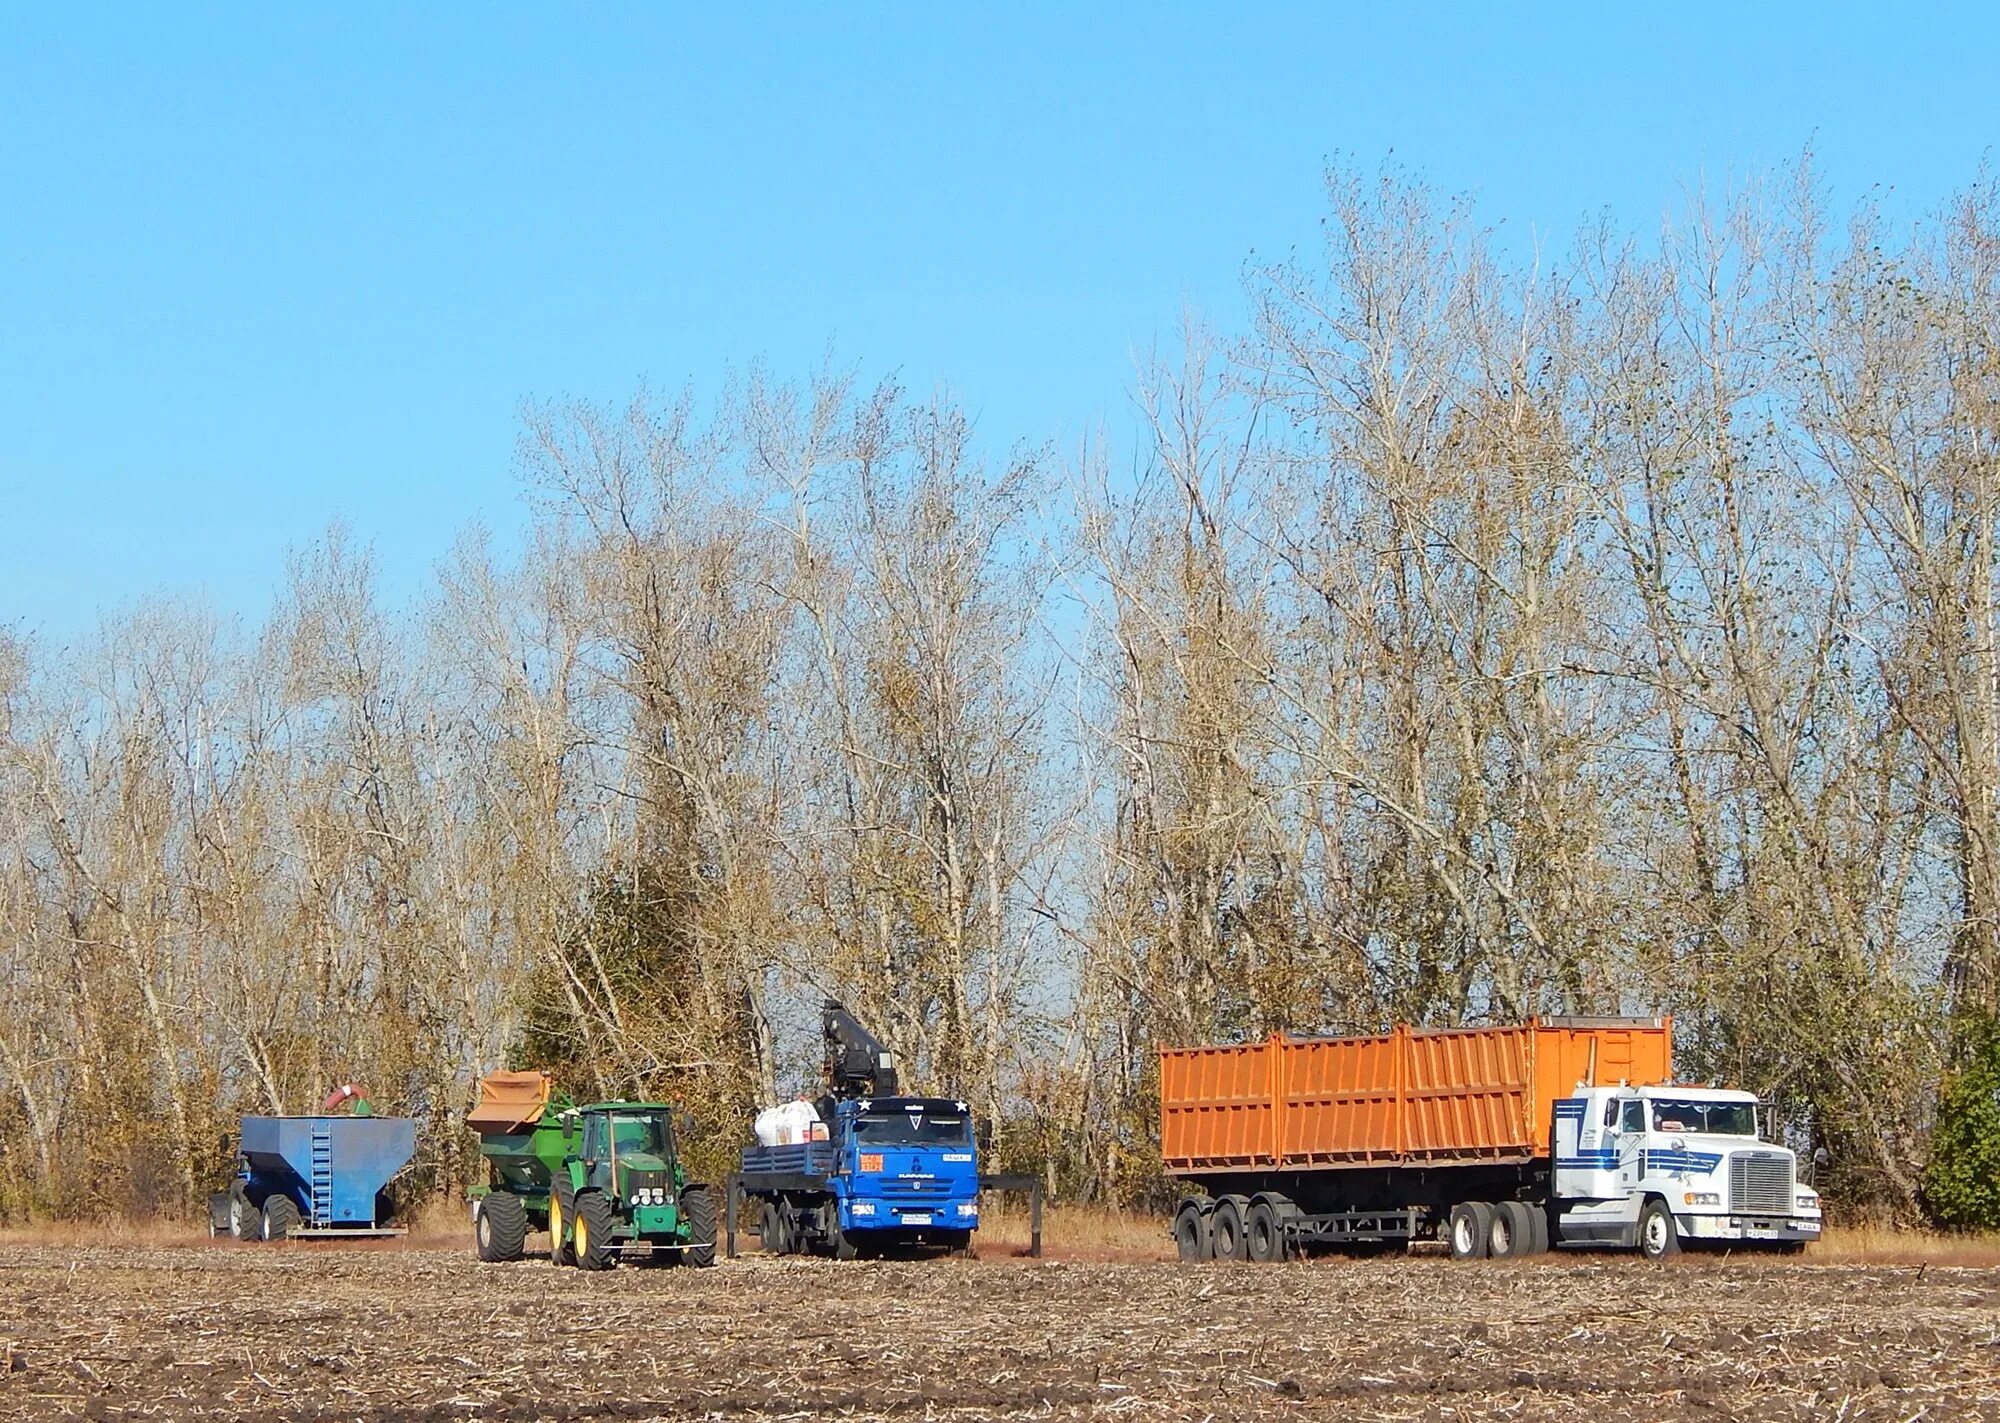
1499 1141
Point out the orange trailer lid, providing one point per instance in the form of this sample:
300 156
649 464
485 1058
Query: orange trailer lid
510 1101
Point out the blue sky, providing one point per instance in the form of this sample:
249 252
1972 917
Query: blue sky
264 270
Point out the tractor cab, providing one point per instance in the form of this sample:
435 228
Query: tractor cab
628 1152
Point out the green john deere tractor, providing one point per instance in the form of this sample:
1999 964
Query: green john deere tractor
625 1187
603 1179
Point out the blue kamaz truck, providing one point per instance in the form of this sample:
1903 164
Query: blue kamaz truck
894 1175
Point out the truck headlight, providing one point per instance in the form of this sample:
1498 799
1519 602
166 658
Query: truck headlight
1701 1198
968 1208
1808 1203
863 1208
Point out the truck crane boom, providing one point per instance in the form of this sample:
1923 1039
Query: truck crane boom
858 1065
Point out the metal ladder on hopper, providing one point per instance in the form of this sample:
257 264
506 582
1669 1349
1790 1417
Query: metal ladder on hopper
322 1175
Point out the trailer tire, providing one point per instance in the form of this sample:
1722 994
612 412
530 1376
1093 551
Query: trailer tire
562 1210
281 1217
1659 1233
1264 1232
245 1221
596 1248
501 1228
698 1209
1469 1230
1512 1232
1192 1240
1228 1229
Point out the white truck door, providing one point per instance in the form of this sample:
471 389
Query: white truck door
1631 1143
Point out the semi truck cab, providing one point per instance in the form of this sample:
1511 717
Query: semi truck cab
1656 1166
908 1169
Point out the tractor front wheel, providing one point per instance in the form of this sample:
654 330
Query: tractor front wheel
698 1207
595 1247
502 1227
562 1206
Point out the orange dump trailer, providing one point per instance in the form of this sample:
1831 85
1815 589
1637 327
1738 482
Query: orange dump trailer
1368 1140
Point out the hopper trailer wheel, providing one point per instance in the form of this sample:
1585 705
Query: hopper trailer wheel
1469 1229
1228 1228
596 1249
562 1206
1659 1237
246 1222
281 1217
501 1229
1191 1237
698 1206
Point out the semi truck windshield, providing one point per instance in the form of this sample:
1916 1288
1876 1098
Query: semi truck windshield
1719 1118
893 1128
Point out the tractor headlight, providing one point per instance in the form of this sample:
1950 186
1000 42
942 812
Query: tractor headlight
1701 1198
863 1208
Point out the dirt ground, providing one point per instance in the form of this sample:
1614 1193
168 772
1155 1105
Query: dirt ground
329 1332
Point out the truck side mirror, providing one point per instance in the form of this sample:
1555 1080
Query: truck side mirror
982 1135
1820 1157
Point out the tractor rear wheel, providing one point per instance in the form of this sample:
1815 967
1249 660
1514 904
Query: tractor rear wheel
502 1227
562 1207
281 1217
596 1249
698 1207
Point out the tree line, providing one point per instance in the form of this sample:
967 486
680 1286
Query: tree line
1470 634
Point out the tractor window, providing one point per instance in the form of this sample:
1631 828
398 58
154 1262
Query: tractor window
595 1146
640 1132
894 1128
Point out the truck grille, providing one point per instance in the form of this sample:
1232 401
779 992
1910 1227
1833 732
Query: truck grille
1760 1183
894 1186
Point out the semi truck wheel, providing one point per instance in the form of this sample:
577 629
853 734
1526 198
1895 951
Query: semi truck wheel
771 1229
1659 1237
1227 1227
839 1244
595 1247
501 1229
1512 1233
1469 1229
1264 1233
699 1208
281 1217
1538 1214
562 1205
1191 1237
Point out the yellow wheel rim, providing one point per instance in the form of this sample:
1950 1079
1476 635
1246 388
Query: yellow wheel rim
582 1238
555 1222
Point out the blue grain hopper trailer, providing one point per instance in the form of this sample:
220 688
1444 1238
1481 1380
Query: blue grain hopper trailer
312 1177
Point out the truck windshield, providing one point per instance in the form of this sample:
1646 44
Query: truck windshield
1718 1118
893 1128
639 1132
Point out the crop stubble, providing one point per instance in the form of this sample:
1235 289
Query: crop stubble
324 1333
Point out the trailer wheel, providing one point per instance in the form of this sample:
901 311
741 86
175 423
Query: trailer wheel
1469 1230
1512 1233
1538 1216
501 1228
596 1248
1264 1233
562 1206
1192 1240
1659 1236
698 1206
281 1217
245 1221
1226 1226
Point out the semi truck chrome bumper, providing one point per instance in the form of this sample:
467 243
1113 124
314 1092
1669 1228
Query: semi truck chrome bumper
1750 1227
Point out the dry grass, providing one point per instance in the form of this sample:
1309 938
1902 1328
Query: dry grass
1076 1233
1881 1245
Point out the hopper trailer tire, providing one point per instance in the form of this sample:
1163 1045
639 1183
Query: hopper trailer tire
1468 1230
246 1222
1227 1226
281 1217
502 1228
1659 1236
562 1207
596 1248
1191 1237
698 1205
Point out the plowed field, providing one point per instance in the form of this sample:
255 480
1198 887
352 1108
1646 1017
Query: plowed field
314 1332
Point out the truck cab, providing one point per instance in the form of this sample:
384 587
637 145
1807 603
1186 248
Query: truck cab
908 1170
1662 1165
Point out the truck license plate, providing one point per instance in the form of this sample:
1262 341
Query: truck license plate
923 1218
